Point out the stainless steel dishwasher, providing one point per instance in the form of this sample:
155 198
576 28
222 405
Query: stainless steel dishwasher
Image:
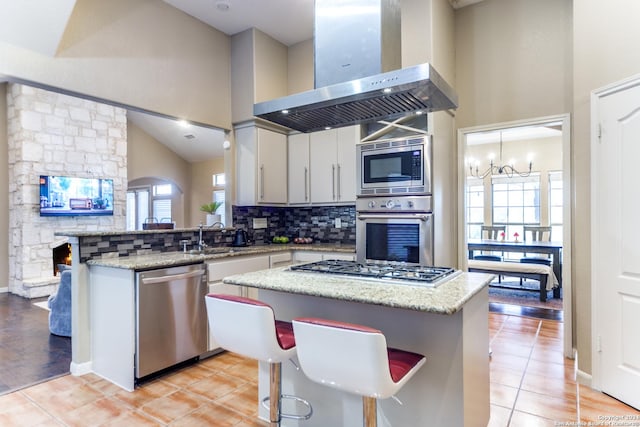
171 317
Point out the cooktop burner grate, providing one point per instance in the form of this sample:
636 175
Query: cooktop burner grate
388 271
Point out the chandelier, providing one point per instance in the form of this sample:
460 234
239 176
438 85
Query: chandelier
499 169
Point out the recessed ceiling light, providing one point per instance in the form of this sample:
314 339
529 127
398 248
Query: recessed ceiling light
223 5
183 123
285 111
387 90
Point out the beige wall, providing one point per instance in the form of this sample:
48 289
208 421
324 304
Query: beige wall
148 158
270 58
513 60
604 51
141 53
4 188
202 188
300 67
242 82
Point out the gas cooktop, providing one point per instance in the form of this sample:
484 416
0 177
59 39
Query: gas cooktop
390 272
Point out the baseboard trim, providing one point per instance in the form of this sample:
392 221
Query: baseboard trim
584 378
79 369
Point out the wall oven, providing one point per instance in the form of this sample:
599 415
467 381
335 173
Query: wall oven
399 166
398 229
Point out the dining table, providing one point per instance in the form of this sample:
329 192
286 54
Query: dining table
538 247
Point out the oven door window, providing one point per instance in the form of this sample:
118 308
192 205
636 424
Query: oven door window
392 167
393 242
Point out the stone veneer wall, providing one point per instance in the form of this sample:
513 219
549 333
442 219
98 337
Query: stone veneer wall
55 134
314 221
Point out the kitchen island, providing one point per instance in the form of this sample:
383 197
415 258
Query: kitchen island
448 324
104 276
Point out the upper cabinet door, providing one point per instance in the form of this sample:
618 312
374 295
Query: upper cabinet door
323 155
299 178
348 137
272 167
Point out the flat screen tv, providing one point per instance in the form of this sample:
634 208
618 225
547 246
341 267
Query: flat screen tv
72 196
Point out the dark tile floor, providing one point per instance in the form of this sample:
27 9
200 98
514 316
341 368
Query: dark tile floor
29 354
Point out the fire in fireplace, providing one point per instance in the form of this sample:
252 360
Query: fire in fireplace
61 255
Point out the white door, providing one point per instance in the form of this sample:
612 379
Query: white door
616 240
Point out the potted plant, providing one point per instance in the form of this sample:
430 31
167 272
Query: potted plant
210 209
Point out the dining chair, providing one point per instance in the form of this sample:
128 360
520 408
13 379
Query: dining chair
535 233
492 232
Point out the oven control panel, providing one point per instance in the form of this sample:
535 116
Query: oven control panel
394 204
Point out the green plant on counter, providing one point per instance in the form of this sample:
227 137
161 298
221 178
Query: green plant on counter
211 208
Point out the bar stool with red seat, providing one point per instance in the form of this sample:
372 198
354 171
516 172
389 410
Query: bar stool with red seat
248 327
353 358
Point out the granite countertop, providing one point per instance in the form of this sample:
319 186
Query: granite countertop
171 259
447 298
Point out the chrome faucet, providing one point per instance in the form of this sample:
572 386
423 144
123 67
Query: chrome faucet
201 243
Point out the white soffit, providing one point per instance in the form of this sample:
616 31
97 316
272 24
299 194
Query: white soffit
36 25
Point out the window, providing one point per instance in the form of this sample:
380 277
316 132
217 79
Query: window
218 196
475 207
218 180
516 202
555 205
148 204
137 208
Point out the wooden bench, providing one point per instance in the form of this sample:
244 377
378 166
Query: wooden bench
542 273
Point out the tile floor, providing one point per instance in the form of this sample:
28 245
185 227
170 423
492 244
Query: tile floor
531 385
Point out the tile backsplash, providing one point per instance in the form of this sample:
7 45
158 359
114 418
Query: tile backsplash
317 222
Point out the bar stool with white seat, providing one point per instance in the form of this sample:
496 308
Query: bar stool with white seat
248 327
353 358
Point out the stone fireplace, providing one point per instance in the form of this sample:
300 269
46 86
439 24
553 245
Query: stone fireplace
55 134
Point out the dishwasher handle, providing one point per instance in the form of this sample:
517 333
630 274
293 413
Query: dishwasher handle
164 279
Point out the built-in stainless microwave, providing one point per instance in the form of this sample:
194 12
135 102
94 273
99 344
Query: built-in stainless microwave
395 166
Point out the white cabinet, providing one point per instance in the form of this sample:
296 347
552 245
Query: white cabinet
333 164
261 168
299 167
313 256
218 270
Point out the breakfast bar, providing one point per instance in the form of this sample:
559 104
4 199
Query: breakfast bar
447 323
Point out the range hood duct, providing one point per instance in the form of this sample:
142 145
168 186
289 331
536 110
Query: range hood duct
357 76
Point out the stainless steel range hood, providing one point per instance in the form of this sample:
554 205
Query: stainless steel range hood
358 49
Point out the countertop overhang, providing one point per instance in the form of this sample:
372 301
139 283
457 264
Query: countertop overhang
448 298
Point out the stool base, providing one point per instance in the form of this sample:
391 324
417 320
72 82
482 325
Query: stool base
275 404
369 411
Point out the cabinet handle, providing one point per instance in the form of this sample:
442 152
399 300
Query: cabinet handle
338 180
333 181
306 184
261 182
